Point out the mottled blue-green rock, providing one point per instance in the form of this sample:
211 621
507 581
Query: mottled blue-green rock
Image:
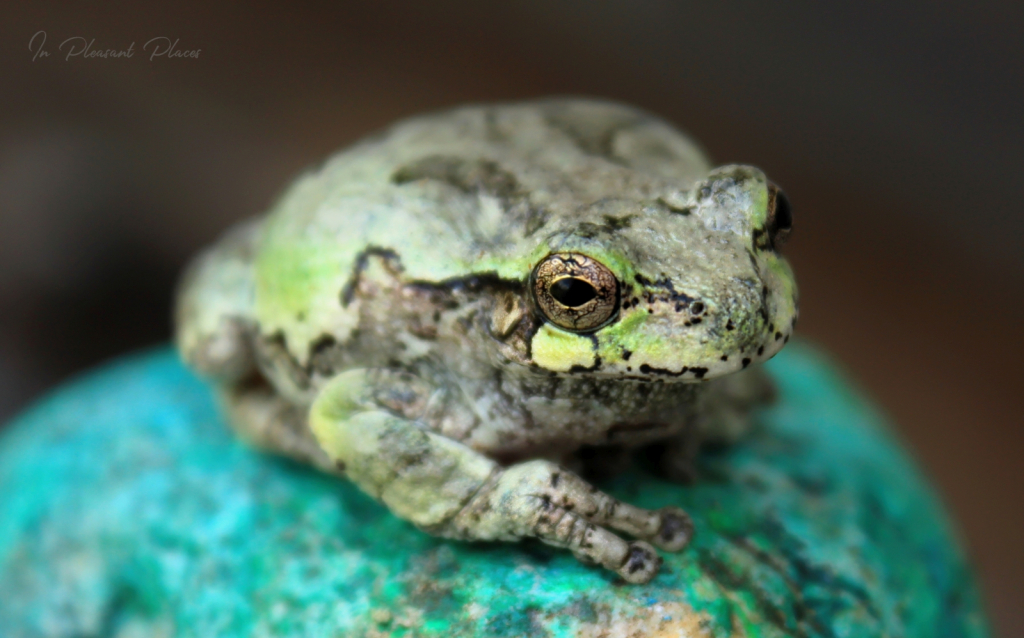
128 509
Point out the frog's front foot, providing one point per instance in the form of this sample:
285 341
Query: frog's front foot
449 489
542 500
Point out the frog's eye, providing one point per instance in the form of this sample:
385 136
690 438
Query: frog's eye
575 292
780 215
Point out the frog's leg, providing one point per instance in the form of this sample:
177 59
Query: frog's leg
446 488
213 326
260 416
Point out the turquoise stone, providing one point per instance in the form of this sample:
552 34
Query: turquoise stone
127 508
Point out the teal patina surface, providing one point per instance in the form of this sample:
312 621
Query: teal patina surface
128 509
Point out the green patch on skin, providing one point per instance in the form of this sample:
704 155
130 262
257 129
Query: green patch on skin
784 280
517 263
759 198
290 277
302 280
512 263
560 351
627 334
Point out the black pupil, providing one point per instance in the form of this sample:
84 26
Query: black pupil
572 292
783 213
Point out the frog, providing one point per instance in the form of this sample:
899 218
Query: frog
473 312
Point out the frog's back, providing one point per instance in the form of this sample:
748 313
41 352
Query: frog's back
451 194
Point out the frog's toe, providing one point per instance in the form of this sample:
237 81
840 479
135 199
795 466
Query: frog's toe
641 563
675 531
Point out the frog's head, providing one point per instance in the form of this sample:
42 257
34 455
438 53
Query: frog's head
686 287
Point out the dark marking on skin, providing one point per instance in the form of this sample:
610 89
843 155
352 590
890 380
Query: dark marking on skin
725 357
729 325
665 284
699 372
555 478
391 260
760 351
760 240
626 354
786 340
753 262
340 465
763 308
636 559
578 368
321 344
319 350
590 230
778 335
672 526
746 361
696 321
471 284
467 175
535 220
646 369
272 350
618 223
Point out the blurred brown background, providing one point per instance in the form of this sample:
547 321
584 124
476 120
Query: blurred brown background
897 133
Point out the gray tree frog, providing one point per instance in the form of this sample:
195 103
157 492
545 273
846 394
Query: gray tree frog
458 312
